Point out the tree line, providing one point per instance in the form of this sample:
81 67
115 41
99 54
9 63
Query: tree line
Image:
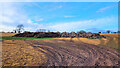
20 29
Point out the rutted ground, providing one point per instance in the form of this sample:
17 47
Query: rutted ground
58 52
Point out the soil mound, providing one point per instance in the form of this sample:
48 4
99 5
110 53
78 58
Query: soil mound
38 34
83 35
57 34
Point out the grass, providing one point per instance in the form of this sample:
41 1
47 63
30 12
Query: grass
111 42
25 38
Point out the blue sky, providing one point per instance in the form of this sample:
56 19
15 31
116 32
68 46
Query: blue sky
60 16
59 0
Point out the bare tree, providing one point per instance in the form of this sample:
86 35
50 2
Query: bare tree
89 32
48 30
118 31
81 32
15 31
20 28
108 31
41 30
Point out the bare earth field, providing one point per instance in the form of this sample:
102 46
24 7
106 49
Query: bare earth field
61 52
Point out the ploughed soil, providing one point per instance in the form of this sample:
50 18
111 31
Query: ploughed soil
56 52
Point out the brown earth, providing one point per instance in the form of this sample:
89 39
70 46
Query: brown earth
58 52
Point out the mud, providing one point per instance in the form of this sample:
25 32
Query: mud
72 53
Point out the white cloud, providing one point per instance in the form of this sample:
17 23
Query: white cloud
29 21
11 16
101 23
6 28
41 19
5 19
103 9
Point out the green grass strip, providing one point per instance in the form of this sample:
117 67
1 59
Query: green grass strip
26 38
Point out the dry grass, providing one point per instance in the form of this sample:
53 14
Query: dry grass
111 40
85 40
90 41
110 34
7 34
20 53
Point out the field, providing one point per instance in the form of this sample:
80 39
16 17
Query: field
60 51
7 34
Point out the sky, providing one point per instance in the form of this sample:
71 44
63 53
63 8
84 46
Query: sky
59 0
59 16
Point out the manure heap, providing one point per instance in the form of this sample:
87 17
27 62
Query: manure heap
58 34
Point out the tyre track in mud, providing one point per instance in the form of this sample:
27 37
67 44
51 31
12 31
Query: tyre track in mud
76 54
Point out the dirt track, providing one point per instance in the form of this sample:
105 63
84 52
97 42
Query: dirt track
72 53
